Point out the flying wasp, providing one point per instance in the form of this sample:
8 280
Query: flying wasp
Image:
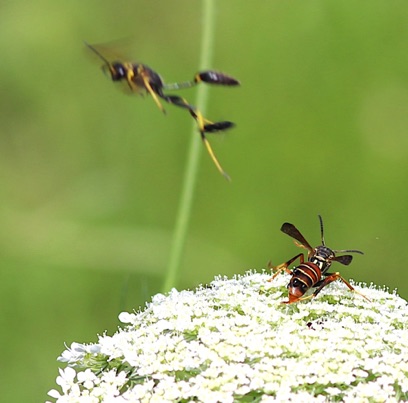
314 272
140 79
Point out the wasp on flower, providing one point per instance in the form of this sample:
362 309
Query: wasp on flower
312 273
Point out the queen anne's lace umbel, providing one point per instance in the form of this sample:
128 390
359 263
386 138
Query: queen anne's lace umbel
234 341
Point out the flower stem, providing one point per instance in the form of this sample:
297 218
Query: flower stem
190 175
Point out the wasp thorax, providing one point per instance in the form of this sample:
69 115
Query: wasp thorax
324 252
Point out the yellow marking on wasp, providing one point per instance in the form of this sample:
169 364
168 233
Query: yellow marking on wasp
305 272
151 92
214 158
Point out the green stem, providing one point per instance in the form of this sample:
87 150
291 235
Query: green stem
190 175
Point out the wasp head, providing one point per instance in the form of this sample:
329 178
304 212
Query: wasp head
117 70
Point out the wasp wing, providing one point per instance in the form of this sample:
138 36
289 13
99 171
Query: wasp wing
345 259
292 231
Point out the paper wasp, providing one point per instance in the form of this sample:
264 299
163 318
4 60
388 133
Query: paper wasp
314 272
140 79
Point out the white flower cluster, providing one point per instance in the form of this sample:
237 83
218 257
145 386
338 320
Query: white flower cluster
234 341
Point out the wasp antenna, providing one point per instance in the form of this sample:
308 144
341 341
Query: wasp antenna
148 87
96 52
321 229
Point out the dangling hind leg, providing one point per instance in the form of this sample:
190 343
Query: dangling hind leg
333 277
204 126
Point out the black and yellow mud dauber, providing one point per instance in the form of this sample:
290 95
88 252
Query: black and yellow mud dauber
139 78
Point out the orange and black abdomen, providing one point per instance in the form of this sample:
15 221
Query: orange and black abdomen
304 277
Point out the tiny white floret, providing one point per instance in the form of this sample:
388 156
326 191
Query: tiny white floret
235 341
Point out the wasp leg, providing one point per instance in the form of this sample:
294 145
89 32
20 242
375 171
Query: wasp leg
213 157
176 100
213 127
333 277
293 299
284 266
145 77
300 245
207 126
204 125
298 299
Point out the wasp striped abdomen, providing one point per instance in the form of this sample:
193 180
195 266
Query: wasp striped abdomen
304 277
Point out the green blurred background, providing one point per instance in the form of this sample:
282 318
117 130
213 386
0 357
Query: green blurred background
91 179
